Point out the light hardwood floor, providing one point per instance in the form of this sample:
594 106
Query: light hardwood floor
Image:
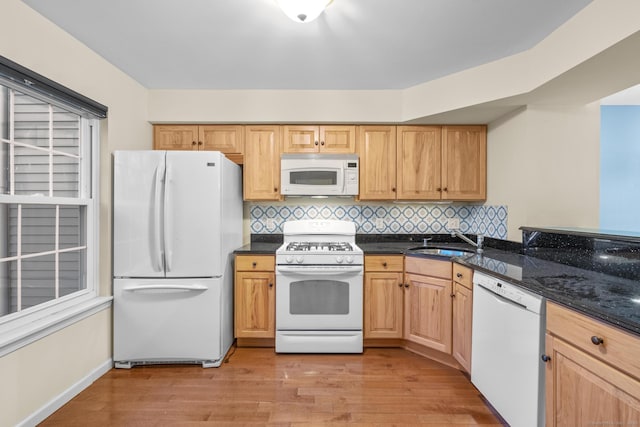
382 387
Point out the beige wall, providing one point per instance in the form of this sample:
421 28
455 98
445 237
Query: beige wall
35 374
543 163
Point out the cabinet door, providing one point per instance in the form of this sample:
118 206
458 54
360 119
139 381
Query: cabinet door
377 150
175 137
419 158
226 138
337 139
582 390
261 171
383 305
301 139
255 304
428 312
462 312
464 162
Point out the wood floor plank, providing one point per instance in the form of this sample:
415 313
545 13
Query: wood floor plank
256 387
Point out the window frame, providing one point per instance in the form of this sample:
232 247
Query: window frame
24 327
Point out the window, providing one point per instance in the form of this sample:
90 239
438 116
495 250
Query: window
48 206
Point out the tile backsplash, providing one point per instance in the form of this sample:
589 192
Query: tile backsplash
386 218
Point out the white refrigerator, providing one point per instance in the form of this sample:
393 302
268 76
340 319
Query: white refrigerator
177 218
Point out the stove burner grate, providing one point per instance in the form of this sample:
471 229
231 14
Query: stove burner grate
320 246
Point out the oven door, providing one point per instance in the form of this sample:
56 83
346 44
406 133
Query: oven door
311 181
319 298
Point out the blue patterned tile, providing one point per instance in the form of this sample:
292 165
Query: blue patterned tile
474 219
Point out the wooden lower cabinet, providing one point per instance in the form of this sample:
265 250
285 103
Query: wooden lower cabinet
427 303
462 315
428 311
590 384
461 333
383 297
255 297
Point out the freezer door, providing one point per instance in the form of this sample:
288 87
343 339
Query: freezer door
166 320
192 209
137 213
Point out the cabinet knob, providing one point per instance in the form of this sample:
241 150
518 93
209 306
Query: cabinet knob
596 340
458 275
406 285
545 358
199 142
322 143
254 264
400 285
193 143
452 295
393 189
445 189
384 264
316 143
271 285
275 189
438 189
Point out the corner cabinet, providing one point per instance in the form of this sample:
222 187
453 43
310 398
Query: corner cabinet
228 139
261 171
464 162
377 150
419 154
422 162
254 290
427 302
383 296
462 315
319 139
592 372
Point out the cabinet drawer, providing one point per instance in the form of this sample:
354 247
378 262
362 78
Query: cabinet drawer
428 267
383 262
618 348
463 275
255 263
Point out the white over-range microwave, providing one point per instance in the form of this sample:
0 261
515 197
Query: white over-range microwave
319 175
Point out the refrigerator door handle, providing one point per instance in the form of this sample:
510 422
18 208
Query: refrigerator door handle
157 227
168 220
194 287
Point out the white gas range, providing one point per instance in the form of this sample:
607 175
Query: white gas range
319 270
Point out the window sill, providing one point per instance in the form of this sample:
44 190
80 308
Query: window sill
39 328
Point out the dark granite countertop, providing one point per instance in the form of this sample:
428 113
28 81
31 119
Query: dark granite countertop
609 298
591 290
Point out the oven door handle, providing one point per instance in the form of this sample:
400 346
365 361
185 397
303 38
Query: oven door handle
302 271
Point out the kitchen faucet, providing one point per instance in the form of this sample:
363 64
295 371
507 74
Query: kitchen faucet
477 245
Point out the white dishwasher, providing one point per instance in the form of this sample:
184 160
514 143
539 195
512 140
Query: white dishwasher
507 343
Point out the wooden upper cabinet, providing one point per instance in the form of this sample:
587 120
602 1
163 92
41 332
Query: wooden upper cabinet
225 138
261 171
464 162
377 150
318 139
419 162
175 137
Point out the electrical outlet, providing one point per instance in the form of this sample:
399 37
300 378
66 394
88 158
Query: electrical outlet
453 223
380 223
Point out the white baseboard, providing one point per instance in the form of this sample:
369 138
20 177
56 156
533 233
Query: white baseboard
56 403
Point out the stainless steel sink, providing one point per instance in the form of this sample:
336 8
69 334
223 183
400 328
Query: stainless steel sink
441 252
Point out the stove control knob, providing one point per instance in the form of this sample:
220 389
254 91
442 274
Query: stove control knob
289 259
349 259
339 259
299 259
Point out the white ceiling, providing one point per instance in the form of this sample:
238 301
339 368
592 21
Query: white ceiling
355 44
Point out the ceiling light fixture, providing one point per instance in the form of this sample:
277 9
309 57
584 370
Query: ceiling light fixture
303 10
